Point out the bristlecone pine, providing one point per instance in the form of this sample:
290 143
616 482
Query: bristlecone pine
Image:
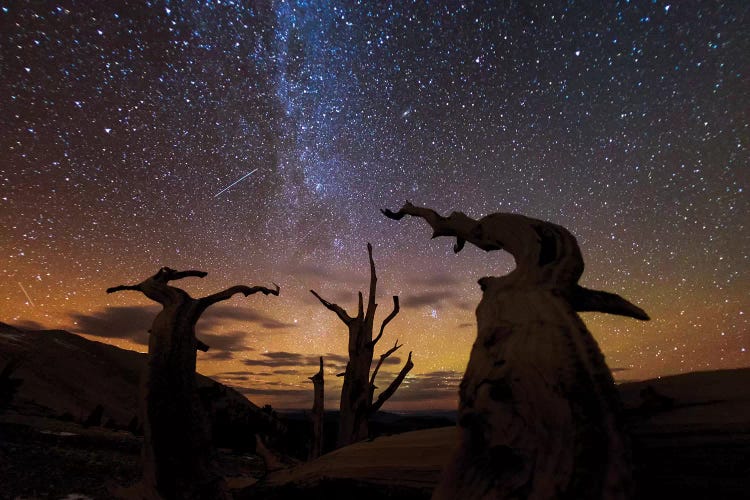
357 405
318 413
539 414
179 461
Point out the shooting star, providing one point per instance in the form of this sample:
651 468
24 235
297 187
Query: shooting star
27 294
235 182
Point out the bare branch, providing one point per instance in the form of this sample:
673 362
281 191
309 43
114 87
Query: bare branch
340 312
387 320
383 356
120 288
457 224
231 291
201 346
360 306
383 396
318 377
371 305
178 275
584 299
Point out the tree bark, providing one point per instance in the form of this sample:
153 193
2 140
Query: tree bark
356 405
318 413
539 414
179 461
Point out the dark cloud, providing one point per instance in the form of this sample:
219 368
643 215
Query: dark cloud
429 386
118 322
28 325
286 393
216 356
133 322
338 359
435 280
465 305
286 372
231 341
390 360
280 359
234 377
437 385
428 298
466 325
345 298
218 314
316 272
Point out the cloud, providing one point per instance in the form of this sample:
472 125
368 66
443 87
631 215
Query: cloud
317 272
437 386
435 280
216 356
428 298
286 372
331 358
218 314
28 325
427 386
346 298
466 325
118 322
233 377
133 322
286 393
281 359
231 341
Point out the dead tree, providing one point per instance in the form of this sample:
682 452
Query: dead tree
179 461
539 414
318 413
357 404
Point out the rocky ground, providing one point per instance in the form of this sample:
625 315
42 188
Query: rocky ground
45 458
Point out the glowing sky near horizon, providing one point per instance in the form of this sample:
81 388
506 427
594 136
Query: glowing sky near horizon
627 123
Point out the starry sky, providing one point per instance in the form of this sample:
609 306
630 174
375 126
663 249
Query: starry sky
124 125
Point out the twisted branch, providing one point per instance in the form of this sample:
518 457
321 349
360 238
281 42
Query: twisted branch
371 305
383 357
120 288
383 396
396 309
340 312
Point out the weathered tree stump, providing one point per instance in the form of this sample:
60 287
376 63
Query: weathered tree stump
357 405
179 461
318 413
539 414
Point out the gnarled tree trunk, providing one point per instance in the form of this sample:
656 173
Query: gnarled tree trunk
318 413
539 414
179 461
357 405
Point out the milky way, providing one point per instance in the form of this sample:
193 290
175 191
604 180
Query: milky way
627 123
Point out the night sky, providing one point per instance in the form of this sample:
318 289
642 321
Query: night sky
124 124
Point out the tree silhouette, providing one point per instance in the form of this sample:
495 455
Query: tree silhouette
318 412
357 406
178 457
539 414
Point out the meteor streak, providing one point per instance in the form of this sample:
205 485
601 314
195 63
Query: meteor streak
27 294
235 182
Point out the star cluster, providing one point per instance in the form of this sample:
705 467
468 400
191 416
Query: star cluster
125 124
